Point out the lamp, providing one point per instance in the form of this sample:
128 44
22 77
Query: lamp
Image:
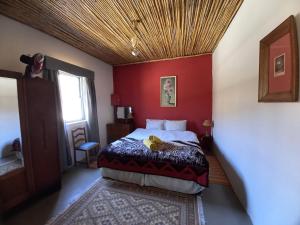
134 40
207 124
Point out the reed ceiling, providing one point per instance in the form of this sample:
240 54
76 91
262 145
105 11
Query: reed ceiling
103 28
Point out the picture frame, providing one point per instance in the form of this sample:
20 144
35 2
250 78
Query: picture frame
168 89
279 64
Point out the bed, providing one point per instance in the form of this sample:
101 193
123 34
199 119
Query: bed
180 165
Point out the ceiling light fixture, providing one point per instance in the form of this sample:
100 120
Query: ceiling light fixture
134 40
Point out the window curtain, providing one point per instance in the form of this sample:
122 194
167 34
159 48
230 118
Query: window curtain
52 66
63 141
90 104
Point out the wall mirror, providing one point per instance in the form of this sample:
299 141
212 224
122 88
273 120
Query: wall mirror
124 112
11 156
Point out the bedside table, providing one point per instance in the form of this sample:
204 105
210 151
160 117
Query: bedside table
116 131
206 144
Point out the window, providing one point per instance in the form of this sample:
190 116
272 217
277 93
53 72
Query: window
71 94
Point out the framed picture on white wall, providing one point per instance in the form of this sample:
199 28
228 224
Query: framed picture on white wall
279 64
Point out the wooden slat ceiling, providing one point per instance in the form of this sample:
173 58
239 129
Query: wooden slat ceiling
103 28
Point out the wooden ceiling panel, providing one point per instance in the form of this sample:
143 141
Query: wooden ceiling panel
103 28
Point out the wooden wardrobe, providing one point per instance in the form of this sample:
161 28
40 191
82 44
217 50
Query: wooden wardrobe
41 173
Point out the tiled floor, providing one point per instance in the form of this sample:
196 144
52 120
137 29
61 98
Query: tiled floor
221 207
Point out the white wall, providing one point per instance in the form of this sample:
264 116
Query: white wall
258 143
17 39
9 115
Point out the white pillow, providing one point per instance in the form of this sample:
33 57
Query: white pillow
154 124
179 125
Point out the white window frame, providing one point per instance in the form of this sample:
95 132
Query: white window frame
63 73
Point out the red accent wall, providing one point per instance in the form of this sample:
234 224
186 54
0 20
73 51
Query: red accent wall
138 85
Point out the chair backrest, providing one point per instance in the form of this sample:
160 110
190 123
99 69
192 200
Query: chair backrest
78 136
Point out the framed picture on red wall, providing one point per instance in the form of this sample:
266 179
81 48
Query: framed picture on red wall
279 64
168 91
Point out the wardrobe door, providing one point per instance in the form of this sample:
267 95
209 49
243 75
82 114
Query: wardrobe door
14 188
42 124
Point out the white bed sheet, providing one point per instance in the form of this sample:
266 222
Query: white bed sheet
168 183
165 135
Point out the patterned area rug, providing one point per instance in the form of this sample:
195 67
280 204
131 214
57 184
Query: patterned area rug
114 203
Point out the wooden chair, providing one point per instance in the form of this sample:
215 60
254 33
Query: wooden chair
80 144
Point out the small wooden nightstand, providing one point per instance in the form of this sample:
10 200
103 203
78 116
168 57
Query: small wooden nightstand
206 143
116 131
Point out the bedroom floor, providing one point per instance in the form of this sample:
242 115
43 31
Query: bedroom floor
221 207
